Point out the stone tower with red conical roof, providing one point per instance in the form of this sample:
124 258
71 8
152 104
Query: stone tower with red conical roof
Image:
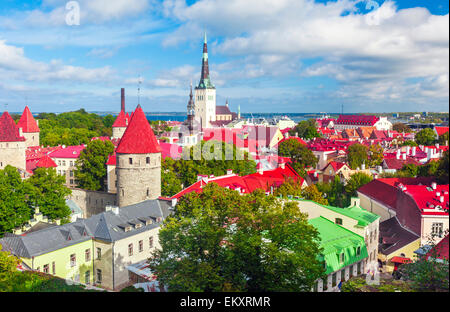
29 128
121 123
138 162
12 143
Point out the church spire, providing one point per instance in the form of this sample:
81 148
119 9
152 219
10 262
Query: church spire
205 81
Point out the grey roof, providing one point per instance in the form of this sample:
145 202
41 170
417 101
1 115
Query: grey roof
104 226
45 240
393 236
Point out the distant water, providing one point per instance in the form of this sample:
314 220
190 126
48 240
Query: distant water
180 117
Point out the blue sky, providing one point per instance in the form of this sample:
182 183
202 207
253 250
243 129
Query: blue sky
265 55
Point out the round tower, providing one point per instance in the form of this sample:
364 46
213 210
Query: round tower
138 162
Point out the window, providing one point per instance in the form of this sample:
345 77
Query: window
351 270
343 275
359 268
342 257
99 276
53 268
87 254
99 253
338 221
87 277
73 260
71 163
71 181
358 251
150 242
325 284
71 173
437 229
147 160
130 249
46 269
333 280
64 163
130 160
141 246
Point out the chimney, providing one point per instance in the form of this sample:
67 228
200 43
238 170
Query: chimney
433 185
122 98
174 202
229 171
408 150
429 154
398 154
437 145
441 199
363 166
315 174
438 194
286 135
413 151
404 156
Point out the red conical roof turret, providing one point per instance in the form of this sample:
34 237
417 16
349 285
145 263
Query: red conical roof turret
121 120
138 137
9 132
27 122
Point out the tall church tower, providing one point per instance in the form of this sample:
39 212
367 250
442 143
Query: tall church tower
138 162
205 94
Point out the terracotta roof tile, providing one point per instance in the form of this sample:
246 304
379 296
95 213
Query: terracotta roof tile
27 122
138 137
9 132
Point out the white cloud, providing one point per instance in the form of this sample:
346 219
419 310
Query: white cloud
15 65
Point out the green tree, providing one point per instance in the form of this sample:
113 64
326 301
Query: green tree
410 170
219 240
357 155
428 170
289 187
170 183
427 273
305 129
108 120
409 143
48 192
443 139
442 170
312 193
14 210
376 155
334 192
426 137
355 182
401 127
90 172
300 155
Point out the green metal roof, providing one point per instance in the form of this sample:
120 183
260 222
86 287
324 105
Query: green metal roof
336 240
363 216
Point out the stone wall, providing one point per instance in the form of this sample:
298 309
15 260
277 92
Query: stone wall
12 153
31 138
138 178
92 202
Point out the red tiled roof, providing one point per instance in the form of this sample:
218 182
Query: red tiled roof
9 132
394 163
121 120
441 249
249 183
111 160
46 162
27 122
440 130
356 120
68 152
336 165
222 110
386 191
138 137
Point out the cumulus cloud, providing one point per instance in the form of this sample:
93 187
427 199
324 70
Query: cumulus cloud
361 51
15 65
